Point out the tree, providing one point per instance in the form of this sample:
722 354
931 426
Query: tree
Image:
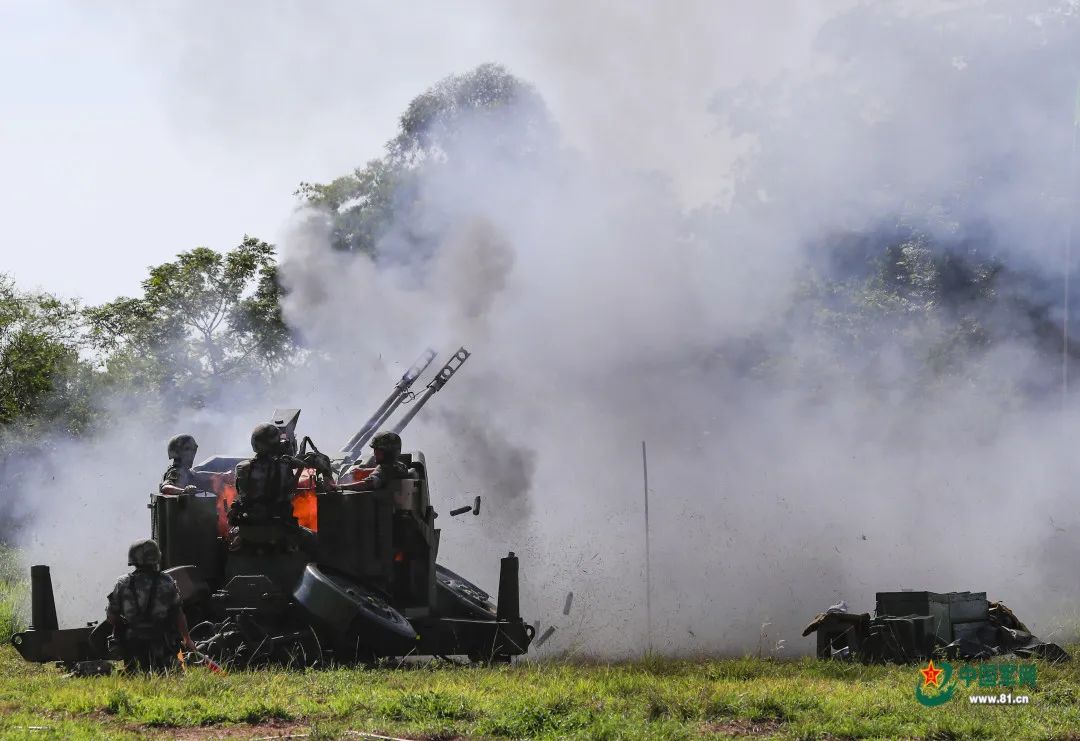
39 341
486 111
204 319
508 112
903 310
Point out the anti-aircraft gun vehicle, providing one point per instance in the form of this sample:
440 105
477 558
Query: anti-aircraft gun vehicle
362 584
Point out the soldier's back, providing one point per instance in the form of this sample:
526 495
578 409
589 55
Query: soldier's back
264 480
146 597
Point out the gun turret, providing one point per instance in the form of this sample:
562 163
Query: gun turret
445 373
456 361
351 451
352 448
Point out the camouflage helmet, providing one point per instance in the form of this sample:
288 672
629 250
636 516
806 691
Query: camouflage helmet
144 554
388 441
265 438
178 443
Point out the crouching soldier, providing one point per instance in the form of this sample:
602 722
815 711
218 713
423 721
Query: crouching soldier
144 610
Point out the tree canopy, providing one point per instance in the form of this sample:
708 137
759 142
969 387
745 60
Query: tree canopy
203 319
39 338
486 109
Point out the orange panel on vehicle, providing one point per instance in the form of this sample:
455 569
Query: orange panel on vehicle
353 475
224 485
305 503
305 508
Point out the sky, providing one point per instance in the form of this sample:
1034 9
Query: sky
132 131
106 173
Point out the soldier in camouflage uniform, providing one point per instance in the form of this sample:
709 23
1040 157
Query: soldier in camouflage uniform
144 610
179 478
265 484
387 447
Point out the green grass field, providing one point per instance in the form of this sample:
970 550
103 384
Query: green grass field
650 699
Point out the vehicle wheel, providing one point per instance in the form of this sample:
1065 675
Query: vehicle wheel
356 620
223 642
457 597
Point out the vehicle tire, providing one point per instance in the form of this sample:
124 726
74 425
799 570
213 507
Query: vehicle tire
353 619
456 597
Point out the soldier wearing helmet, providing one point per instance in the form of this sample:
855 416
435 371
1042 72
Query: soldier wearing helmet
265 484
179 478
144 610
388 467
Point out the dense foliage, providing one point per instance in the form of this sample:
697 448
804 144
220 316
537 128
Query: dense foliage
941 307
203 319
39 365
439 127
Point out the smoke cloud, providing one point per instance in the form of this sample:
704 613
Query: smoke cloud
630 311
642 277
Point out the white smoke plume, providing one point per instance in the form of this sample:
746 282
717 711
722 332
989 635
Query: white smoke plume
771 499
609 291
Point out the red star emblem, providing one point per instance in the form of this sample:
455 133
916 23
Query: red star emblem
931 674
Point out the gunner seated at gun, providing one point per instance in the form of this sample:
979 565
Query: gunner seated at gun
265 483
387 447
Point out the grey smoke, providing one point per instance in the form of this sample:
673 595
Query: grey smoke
499 471
622 317
628 285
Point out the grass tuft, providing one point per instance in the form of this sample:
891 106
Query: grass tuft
425 705
13 592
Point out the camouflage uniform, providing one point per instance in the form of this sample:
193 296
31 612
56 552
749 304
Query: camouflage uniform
181 476
265 483
179 473
381 477
389 470
143 607
264 486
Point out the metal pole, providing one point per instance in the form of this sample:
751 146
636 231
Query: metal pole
648 564
1071 205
